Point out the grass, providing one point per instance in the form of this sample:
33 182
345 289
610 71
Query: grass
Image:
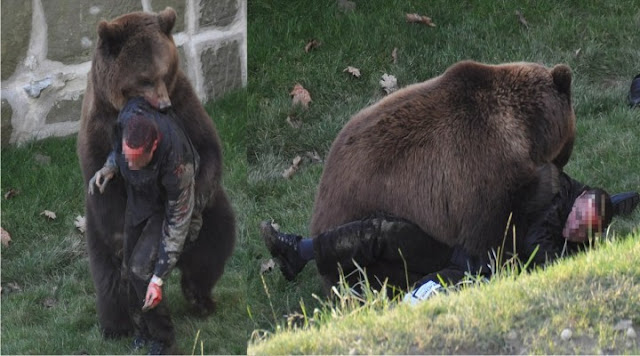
54 311
589 294
601 44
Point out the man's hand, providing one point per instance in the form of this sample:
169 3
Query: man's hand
154 294
101 178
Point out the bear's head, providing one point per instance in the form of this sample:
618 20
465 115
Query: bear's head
136 56
537 98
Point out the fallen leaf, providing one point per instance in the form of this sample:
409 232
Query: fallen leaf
275 226
11 193
353 71
293 169
5 237
389 83
578 52
12 287
394 55
300 96
522 20
79 222
296 124
313 44
415 18
346 5
267 266
315 157
50 214
49 302
42 159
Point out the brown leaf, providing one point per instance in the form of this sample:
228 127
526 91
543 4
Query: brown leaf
313 44
346 5
42 159
12 287
50 214
522 20
293 122
5 237
415 18
314 156
80 223
267 266
289 172
394 55
11 193
353 71
300 96
49 302
389 83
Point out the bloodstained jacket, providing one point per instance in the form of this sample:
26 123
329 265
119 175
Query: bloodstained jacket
165 184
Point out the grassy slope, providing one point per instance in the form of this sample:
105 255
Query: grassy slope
47 259
588 294
603 34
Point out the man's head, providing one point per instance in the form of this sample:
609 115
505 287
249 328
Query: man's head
591 213
139 141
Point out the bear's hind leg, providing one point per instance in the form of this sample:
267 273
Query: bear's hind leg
104 213
111 298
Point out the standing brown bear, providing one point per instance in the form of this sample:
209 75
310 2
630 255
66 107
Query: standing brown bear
454 154
135 56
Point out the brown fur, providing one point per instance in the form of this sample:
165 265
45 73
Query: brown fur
136 56
451 154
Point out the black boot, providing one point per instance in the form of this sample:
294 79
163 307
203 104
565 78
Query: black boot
624 203
634 92
157 347
284 248
139 341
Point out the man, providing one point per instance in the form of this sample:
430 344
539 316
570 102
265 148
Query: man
158 164
556 221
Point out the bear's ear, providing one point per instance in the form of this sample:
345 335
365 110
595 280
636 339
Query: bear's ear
561 74
111 35
166 19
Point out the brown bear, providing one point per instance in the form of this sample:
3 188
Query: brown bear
135 56
454 154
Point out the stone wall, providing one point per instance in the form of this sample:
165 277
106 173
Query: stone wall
47 47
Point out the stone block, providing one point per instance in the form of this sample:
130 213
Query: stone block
65 110
221 68
7 127
16 31
178 5
218 13
72 25
184 64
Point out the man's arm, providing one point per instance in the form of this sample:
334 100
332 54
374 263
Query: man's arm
105 174
179 185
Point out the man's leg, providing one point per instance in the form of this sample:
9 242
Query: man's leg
378 239
156 323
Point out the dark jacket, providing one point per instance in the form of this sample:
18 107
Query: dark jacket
165 184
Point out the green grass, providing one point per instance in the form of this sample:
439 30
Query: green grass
47 258
588 294
607 42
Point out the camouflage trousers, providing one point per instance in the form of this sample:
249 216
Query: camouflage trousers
141 244
388 248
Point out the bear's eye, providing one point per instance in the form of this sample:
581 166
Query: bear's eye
145 82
